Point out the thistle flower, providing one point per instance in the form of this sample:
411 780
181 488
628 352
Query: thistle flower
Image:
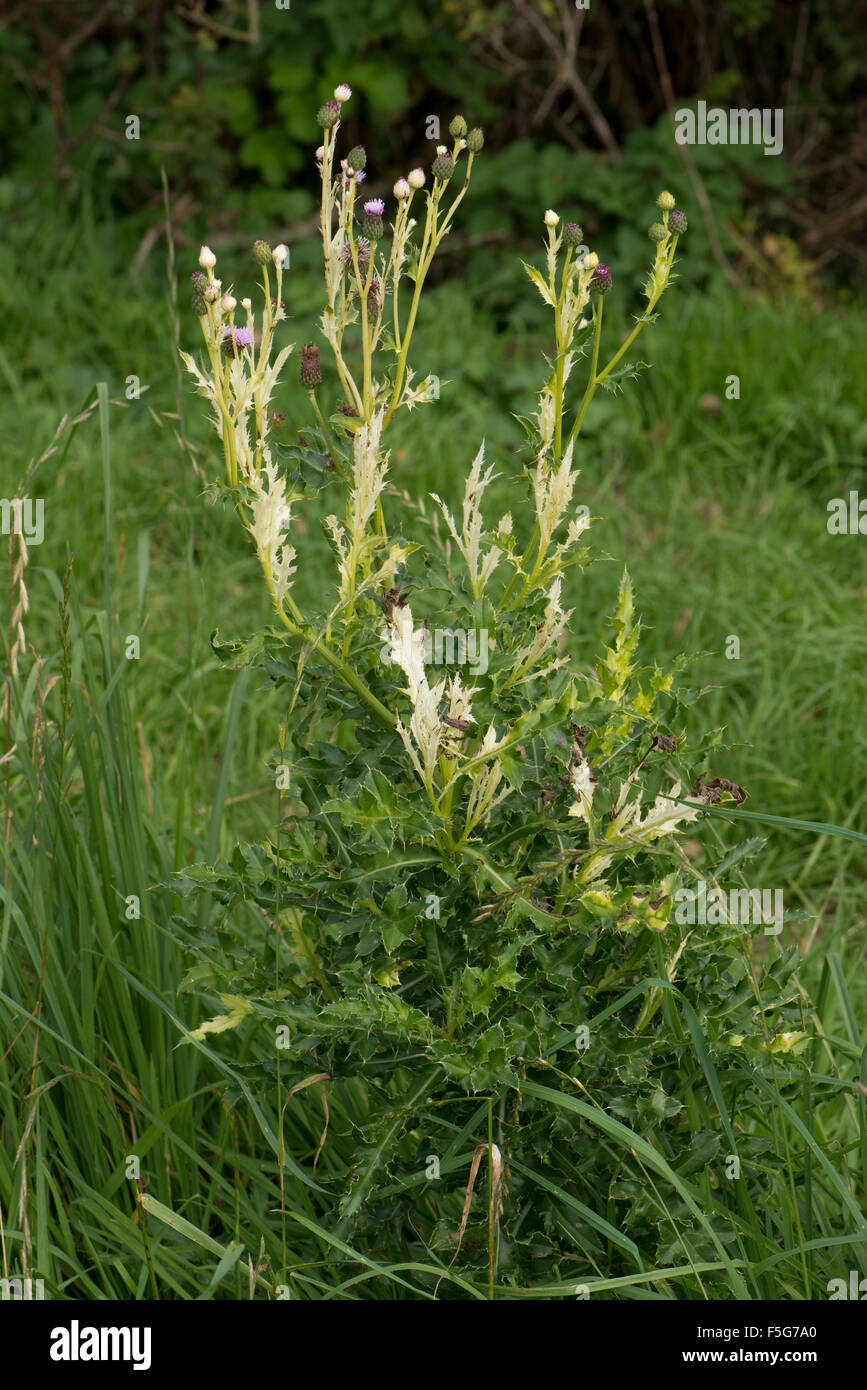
357 158
279 254
475 140
443 166
211 292
310 372
207 259
371 222
601 280
328 115
416 178
320 154
665 201
342 93
573 235
262 253
551 218
657 232
457 127
677 222
362 247
401 190
236 339
228 303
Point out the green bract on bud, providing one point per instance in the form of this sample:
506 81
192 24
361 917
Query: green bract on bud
665 201
677 222
443 166
601 280
310 372
657 232
357 158
457 127
262 253
197 299
328 114
475 140
573 235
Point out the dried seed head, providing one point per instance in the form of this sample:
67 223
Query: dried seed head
310 372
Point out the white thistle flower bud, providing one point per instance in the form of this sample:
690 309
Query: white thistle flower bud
247 305
212 292
320 154
551 218
415 178
342 93
591 261
442 149
228 303
207 259
280 253
401 190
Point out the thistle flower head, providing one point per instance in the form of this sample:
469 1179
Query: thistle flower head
199 303
362 247
665 201
457 127
207 259
262 253
236 338
310 372
657 232
228 303
328 115
573 235
601 280
357 158
342 93
279 254
551 218
677 221
374 207
416 178
401 190
476 140
443 166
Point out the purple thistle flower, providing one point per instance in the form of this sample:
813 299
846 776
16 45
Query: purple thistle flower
237 338
601 280
374 207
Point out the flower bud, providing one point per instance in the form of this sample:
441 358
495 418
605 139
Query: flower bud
328 115
573 235
197 297
279 254
228 303
657 232
262 253
677 222
601 280
211 293
357 157
310 372
342 93
320 154
475 140
457 127
416 178
443 166
247 306
207 259
401 190
591 261
665 201
551 218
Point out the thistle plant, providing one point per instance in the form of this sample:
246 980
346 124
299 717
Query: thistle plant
470 865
